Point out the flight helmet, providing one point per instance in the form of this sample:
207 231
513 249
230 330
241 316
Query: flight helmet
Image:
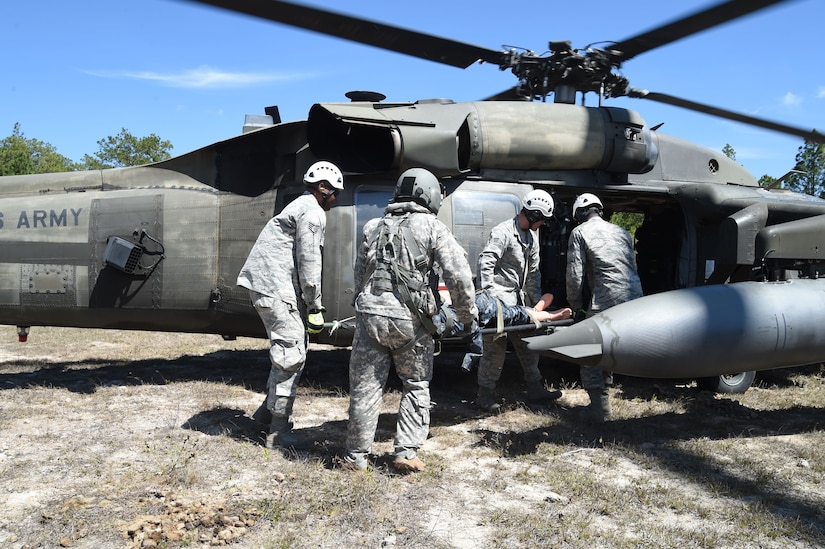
584 204
537 205
324 171
421 186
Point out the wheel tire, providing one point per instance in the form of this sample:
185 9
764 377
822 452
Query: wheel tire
728 383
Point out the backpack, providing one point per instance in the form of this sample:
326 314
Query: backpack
415 285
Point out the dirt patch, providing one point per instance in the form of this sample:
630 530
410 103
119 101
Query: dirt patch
137 439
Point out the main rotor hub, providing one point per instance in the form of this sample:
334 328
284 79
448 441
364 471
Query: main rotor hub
565 69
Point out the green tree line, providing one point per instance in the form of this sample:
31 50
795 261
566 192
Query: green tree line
20 155
807 175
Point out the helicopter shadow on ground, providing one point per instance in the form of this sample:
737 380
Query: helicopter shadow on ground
453 392
326 370
246 368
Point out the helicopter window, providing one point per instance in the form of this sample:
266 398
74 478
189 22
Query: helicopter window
476 213
369 204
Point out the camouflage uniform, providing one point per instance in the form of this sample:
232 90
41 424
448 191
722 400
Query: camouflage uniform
386 328
288 248
508 270
603 252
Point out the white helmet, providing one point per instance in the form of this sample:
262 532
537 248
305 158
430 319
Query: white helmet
537 206
324 171
583 203
421 186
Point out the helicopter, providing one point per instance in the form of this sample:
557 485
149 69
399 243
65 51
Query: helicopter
158 247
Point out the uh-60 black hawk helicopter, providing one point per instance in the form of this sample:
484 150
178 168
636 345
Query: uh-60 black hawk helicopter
731 271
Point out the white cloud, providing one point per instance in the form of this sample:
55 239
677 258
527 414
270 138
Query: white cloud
791 100
821 93
204 77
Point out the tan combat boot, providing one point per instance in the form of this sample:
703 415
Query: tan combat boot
405 464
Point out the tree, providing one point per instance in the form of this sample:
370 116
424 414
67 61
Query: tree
125 149
630 221
811 161
767 181
728 151
20 156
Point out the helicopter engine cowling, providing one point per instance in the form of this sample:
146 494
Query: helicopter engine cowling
455 138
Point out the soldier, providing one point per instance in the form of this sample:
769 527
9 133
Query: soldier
396 286
508 270
289 248
603 253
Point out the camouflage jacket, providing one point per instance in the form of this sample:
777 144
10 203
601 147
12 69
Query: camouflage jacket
444 255
508 266
289 248
603 252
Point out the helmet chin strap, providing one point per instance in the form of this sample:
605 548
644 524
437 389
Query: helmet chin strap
325 194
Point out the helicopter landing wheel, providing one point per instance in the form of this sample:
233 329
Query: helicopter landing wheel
728 383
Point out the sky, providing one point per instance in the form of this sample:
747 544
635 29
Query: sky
74 73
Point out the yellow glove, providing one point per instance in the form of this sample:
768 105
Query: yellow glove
315 322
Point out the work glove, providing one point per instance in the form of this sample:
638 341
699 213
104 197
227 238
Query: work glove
579 315
315 321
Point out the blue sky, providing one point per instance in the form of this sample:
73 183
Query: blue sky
76 72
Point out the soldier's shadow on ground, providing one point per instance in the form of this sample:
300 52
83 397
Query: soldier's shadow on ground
323 443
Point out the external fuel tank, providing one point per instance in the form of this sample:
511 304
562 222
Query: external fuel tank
701 331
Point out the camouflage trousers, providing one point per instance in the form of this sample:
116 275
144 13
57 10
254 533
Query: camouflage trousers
287 351
492 361
593 378
378 342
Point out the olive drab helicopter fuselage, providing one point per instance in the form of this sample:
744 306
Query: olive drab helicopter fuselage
159 247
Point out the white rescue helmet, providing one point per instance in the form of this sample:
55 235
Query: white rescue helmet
582 205
537 206
421 186
324 171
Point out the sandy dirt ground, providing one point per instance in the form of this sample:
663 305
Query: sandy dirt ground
136 439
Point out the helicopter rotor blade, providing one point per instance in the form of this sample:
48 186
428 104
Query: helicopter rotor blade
510 94
810 135
388 37
686 26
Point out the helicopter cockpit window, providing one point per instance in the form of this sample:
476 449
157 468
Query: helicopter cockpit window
476 213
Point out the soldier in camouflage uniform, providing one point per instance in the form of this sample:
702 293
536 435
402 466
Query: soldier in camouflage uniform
603 253
395 300
508 269
289 248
